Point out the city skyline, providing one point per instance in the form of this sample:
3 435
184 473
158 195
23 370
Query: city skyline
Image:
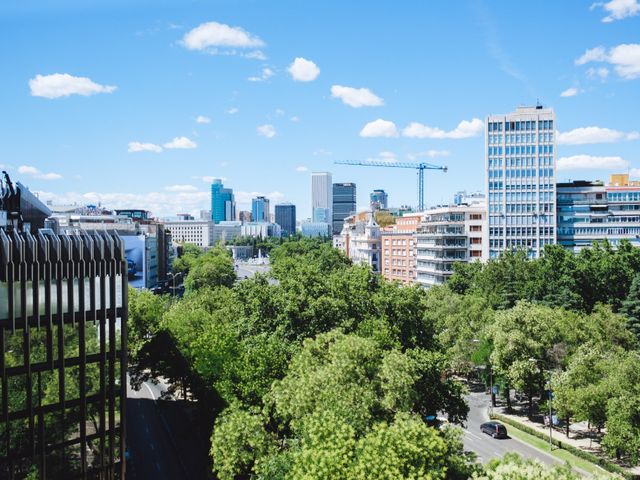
162 100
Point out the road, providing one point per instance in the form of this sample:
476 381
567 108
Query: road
486 447
151 454
248 270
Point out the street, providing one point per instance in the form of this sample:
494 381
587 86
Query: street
151 454
486 447
248 270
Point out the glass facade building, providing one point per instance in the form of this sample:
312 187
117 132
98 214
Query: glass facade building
223 205
344 204
379 200
286 218
520 167
321 197
260 209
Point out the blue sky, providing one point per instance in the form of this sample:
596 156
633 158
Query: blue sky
101 102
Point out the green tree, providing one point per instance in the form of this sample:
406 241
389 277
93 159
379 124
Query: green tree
215 268
513 467
631 307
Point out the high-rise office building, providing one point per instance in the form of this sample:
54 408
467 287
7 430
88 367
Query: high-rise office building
223 205
260 209
520 165
344 204
286 218
379 200
321 197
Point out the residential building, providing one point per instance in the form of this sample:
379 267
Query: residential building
448 235
520 167
223 205
463 197
321 197
379 200
344 204
315 229
398 251
361 240
286 218
260 209
592 212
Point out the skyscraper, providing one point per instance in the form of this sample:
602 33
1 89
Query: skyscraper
260 209
379 200
223 205
286 218
344 204
520 165
321 197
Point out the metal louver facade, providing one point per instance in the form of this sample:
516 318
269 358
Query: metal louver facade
63 330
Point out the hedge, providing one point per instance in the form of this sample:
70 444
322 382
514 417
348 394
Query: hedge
601 462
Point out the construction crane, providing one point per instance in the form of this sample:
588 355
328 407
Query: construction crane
420 167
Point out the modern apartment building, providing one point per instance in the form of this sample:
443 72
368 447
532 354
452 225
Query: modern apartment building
321 197
398 252
379 200
286 218
260 209
344 204
592 212
223 205
520 167
448 235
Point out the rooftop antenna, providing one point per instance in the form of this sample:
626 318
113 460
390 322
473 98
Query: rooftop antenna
538 104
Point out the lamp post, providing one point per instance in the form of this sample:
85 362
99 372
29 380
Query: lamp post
173 281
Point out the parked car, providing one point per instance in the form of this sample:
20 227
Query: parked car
495 429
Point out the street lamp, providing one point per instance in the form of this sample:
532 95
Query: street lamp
173 280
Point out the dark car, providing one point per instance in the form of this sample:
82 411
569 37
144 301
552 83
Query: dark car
495 429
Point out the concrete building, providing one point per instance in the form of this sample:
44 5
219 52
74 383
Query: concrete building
286 218
592 212
379 200
245 216
448 235
223 205
224 232
361 240
204 215
321 197
315 229
344 204
260 230
520 167
260 209
198 232
398 253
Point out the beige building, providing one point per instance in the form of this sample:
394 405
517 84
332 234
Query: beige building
398 259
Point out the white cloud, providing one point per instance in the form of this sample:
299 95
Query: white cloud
634 172
266 74
279 112
388 157
379 128
295 119
303 70
618 9
180 142
210 178
302 168
586 135
181 188
428 154
232 111
321 152
602 73
624 58
356 97
465 129
591 162
35 173
571 92
254 55
213 34
244 198
266 131
62 85
133 147
203 119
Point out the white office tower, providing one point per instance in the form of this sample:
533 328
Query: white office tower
321 197
521 184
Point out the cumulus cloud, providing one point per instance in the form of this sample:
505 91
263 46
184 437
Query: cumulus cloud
211 35
356 97
388 157
465 129
302 168
379 128
624 58
586 135
266 131
63 85
181 188
303 70
134 147
295 119
602 73
203 119
571 92
244 198
591 162
210 178
180 142
232 111
266 74
618 9
428 154
35 173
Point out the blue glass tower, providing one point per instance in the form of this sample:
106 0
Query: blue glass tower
223 206
260 209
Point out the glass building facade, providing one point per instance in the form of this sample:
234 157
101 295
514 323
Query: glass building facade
520 165
260 209
223 205
379 200
286 218
344 204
